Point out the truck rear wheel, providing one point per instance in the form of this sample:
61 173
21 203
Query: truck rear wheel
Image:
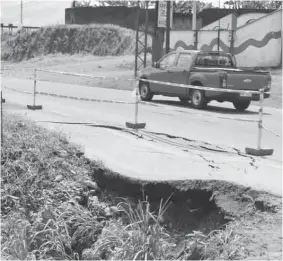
241 105
198 99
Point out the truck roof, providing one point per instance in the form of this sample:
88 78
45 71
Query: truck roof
202 51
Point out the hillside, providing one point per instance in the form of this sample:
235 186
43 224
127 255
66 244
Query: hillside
92 39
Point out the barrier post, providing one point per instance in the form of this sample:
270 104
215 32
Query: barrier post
259 151
2 99
136 125
1 120
34 107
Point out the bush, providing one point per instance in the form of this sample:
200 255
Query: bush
93 39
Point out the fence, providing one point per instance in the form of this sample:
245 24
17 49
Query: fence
10 28
135 124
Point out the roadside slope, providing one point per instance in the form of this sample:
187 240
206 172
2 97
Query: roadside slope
48 195
95 39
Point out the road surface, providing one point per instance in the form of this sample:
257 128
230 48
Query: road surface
178 142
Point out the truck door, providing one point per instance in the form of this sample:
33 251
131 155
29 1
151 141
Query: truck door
180 74
162 74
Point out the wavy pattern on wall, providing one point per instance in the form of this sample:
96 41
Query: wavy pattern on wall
237 50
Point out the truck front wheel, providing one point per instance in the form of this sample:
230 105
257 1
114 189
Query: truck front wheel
145 92
241 105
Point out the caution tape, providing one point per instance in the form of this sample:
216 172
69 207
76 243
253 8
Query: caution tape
199 87
12 89
200 114
81 98
274 133
70 97
151 81
85 75
123 102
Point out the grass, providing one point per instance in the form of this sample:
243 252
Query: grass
43 218
95 39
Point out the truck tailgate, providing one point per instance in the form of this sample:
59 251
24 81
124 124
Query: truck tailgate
242 80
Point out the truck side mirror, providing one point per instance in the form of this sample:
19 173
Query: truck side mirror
155 65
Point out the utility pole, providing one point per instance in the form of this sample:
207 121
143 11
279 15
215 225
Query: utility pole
168 26
21 12
194 24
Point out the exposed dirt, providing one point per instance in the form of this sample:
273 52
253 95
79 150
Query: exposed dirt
249 221
205 206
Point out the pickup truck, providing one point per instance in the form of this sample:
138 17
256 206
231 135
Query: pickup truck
202 68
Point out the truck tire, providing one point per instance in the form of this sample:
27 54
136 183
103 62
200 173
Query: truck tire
145 92
241 105
198 99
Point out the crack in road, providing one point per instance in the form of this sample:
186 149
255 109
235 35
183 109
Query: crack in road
210 162
253 160
219 149
170 136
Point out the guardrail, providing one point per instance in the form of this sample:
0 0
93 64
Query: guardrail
136 125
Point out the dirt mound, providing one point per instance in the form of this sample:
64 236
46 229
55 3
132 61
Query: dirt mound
93 39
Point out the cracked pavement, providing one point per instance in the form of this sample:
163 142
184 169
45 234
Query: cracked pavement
178 143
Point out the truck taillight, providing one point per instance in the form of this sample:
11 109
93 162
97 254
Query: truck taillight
269 81
224 83
223 80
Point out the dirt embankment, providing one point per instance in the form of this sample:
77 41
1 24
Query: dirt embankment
92 39
57 204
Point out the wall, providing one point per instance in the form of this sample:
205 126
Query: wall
259 43
211 15
179 38
209 41
206 40
182 22
225 23
243 19
123 16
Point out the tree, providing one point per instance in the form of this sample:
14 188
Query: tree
82 3
187 6
235 4
124 3
179 6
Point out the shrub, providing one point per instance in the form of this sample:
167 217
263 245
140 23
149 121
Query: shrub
71 39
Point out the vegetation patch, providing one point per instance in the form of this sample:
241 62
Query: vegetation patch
56 204
94 39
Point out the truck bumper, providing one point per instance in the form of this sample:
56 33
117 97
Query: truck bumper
231 97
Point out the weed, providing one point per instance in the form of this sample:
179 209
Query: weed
139 237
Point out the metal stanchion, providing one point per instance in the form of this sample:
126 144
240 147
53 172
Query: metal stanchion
136 125
34 107
2 99
259 151
1 120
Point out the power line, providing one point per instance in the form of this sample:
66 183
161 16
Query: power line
30 2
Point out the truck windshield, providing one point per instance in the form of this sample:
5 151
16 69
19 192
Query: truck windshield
214 60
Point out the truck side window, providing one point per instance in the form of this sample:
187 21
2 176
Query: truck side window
184 60
167 60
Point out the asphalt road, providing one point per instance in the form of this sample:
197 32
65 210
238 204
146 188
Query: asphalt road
178 142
